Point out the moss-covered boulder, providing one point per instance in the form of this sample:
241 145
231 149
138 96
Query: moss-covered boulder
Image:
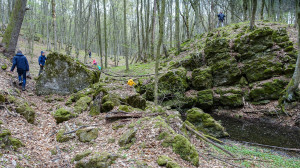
136 101
60 137
82 104
202 78
87 134
7 141
205 123
62 115
229 97
109 101
269 90
262 68
4 67
128 138
214 50
205 99
80 156
64 75
25 110
164 160
97 160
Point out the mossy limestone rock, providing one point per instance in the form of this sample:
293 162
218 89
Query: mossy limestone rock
268 90
4 67
164 160
136 101
64 75
25 110
99 160
205 99
82 104
109 101
60 137
7 141
229 97
205 123
62 115
2 98
127 139
202 78
87 134
80 156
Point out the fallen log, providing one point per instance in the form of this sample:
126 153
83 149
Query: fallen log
84 126
116 115
208 140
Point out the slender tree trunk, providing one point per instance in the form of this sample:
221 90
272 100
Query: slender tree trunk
138 29
105 33
177 31
254 7
153 29
125 37
54 24
245 9
296 13
11 35
262 9
99 32
161 34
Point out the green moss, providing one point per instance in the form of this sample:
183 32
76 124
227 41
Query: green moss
202 78
60 137
4 133
4 67
103 159
94 110
11 99
205 99
164 160
15 143
80 156
128 138
25 110
230 97
87 135
82 104
205 123
268 91
185 149
109 102
62 115
126 108
107 106
2 98
136 101
225 72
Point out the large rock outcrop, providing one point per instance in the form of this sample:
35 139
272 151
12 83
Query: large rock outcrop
64 75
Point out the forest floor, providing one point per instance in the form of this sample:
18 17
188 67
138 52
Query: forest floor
42 150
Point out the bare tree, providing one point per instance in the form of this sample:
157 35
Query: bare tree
254 7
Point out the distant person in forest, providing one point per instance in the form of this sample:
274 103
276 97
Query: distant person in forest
22 67
94 62
42 61
90 54
221 18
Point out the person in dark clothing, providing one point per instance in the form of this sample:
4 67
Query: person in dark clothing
221 17
22 66
42 61
90 54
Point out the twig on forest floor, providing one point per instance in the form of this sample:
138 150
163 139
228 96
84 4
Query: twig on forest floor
9 112
84 126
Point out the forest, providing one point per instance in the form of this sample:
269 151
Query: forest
149 83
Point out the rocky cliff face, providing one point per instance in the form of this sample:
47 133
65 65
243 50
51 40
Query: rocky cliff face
228 68
63 75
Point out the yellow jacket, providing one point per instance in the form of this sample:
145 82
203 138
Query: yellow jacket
131 82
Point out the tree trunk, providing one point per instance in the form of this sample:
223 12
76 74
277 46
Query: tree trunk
125 37
54 24
105 34
99 33
245 9
11 35
138 29
177 27
153 29
161 34
294 84
254 7
262 9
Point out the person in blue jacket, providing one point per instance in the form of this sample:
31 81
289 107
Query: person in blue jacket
221 17
42 61
22 66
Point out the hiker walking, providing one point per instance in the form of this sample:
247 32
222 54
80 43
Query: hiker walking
42 61
90 54
221 17
22 66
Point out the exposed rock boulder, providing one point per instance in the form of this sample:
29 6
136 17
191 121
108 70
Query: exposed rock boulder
97 160
228 97
7 141
205 99
128 138
136 101
205 123
80 156
164 160
62 115
60 137
202 78
109 101
25 110
64 75
87 134
82 104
